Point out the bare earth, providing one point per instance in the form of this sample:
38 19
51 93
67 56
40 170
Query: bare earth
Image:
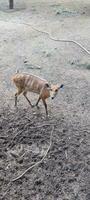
24 133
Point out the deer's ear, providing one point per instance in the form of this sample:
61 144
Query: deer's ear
47 85
61 86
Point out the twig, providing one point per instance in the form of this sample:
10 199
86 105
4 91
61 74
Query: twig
66 154
18 133
37 163
41 126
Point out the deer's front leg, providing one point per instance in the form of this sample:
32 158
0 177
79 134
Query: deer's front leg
44 102
38 102
24 93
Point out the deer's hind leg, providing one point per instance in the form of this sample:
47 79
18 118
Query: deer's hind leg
16 95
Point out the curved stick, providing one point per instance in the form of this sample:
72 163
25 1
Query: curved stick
58 40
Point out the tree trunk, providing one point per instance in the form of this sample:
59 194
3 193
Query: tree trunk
11 4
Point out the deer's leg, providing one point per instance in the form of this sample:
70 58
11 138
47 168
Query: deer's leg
38 102
24 93
16 99
44 102
40 97
16 95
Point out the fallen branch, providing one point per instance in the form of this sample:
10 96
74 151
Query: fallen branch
58 40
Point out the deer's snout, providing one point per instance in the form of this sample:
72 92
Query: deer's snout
52 97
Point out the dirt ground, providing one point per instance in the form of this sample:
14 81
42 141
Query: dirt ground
25 132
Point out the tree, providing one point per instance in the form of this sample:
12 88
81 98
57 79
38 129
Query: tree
11 3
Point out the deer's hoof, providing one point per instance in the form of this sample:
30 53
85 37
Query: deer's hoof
38 107
32 105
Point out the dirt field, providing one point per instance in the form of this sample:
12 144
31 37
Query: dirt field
25 132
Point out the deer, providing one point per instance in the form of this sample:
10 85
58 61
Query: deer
25 83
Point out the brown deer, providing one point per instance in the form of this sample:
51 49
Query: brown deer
31 83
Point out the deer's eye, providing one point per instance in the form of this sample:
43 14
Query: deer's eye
56 90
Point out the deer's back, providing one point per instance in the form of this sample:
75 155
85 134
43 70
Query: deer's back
29 82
